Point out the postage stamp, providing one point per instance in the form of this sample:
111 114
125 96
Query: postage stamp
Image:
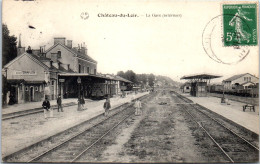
240 24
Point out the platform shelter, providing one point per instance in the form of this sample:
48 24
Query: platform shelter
90 85
199 83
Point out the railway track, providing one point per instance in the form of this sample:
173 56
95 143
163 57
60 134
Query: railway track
30 112
233 145
70 149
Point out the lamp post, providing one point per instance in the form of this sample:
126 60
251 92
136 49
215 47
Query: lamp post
79 82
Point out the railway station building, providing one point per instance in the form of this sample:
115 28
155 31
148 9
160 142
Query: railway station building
35 74
198 83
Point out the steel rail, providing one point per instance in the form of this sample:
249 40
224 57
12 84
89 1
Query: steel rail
79 155
78 134
222 150
226 127
72 137
222 125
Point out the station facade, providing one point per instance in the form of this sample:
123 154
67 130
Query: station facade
36 74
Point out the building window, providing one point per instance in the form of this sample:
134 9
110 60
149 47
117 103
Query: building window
52 82
95 71
249 78
26 88
59 54
79 68
40 88
83 69
36 88
87 69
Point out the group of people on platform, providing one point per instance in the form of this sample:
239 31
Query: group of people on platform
107 106
47 106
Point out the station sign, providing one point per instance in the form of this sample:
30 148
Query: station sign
61 80
31 72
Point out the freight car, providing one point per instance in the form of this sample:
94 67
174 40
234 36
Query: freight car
101 90
238 90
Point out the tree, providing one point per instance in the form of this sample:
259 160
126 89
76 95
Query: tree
142 79
151 79
9 46
130 75
121 74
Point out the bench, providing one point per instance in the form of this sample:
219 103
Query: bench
249 106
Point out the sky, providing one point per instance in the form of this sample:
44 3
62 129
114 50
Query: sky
149 43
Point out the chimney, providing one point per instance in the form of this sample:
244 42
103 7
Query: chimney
60 40
19 44
83 50
69 43
68 66
20 49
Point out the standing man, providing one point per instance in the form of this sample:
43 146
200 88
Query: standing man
59 103
138 107
46 106
107 106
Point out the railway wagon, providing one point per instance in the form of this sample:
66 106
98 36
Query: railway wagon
216 88
239 90
101 90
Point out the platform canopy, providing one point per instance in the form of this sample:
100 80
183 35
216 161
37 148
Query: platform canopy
98 76
200 77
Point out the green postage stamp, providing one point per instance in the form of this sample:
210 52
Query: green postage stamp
240 24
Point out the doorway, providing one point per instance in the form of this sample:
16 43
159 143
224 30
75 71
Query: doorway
31 94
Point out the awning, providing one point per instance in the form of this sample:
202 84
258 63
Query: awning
200 76
19 81
83 75
35 82
95 76
15 81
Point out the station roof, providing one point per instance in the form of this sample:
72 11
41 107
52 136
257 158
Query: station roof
200 76
97 76
84 74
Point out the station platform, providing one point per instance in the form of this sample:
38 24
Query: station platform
22 132
234 111
32 105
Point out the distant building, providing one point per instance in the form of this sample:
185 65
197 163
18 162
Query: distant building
199 83
186 87
242 81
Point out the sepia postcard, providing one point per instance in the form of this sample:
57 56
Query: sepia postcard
130 81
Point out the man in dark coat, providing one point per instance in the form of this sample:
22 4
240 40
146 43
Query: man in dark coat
59 103
46 106
107 106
